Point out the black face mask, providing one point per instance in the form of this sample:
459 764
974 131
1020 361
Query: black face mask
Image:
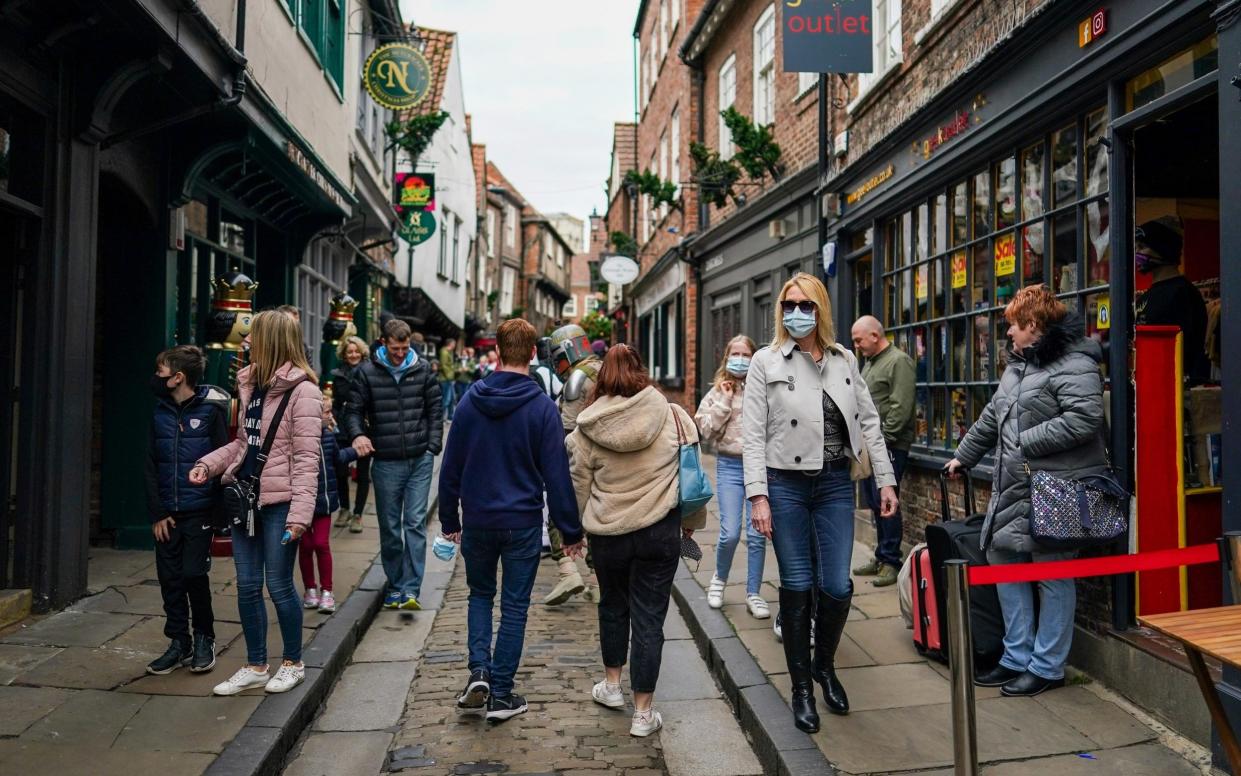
159 386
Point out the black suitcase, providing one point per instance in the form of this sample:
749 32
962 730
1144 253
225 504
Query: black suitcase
960 540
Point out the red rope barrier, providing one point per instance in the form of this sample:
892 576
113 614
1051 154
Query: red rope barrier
1094 567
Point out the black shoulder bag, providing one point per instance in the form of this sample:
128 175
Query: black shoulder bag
239 498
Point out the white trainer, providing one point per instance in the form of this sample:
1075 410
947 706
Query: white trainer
715 592
609 695
287 677
311 601
244 679
645 722
758 607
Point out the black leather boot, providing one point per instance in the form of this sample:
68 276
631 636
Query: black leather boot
795 618
829 625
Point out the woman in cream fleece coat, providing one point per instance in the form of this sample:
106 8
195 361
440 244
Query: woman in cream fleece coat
625 460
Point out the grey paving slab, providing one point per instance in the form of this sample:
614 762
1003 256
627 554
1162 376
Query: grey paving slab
107 567
133 599
885 604
770 653
1013 728
886 640
87 669
1141 760
184 683
91 718
395 639
688 724
167 723
369 696
675 628
1106 724
39 757
683 675
887 740
148 636
73 629
885 687
740 617
21 707
328 754
16 659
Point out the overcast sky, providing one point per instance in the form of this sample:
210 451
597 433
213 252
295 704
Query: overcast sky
544 82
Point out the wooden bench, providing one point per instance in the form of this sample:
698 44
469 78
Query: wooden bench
1215 632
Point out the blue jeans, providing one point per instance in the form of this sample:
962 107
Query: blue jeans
518 551
447 400
812 529
730 492
263 555
887 529
1044 650
401 491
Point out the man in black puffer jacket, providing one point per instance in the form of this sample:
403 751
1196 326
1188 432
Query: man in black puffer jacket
396 397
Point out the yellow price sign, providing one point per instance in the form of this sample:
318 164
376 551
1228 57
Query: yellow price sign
920 282
958 270
1005 255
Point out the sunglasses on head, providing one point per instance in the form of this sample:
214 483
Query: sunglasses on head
805 305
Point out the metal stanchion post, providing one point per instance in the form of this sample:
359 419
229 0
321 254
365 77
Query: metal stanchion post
961 663
1232 563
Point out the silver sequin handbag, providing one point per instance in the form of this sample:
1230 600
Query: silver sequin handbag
1072 514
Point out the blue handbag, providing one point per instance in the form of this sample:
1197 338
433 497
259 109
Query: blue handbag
695 487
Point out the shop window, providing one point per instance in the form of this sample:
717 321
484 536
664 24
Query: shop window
955 258
21 151
1175 72
508 285
661 331
728 95
764 320
456 249
441 264
204 259
323 273
725 321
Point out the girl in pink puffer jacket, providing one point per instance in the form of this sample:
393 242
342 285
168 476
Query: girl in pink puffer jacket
287 487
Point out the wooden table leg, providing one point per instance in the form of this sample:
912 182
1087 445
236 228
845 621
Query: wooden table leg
1218 716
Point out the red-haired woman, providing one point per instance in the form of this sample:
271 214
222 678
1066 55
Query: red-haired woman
1047 415
624 456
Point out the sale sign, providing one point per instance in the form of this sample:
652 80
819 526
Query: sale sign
828 36
1005 255
958 270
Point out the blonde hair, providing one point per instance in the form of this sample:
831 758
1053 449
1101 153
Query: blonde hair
816 292
276 340
358 343
722 374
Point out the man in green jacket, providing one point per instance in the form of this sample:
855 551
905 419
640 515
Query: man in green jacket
447 377
889 374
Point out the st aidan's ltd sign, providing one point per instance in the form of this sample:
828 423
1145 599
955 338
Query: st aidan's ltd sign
397 76
417 226
828 36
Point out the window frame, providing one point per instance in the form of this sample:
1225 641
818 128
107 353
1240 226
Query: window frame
886 59
727 85
764 83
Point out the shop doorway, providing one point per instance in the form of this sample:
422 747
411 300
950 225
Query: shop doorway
1175 185
18 247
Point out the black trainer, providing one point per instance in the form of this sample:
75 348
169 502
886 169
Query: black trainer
501 709
179 653
204 654
473 699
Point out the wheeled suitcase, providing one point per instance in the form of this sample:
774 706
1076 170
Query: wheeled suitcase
953 540
926 617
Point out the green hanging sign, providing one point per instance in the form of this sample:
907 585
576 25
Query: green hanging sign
397 76
417 226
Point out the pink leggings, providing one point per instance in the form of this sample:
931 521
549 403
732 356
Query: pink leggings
314 544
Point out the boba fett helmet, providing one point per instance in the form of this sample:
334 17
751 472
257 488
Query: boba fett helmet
570 345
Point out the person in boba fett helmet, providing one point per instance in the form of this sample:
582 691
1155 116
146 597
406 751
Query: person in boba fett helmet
578 366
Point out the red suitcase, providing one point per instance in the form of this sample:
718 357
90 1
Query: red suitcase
925 606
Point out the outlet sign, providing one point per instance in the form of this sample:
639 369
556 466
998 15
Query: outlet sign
828 36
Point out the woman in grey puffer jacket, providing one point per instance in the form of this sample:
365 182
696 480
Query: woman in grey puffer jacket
1046 415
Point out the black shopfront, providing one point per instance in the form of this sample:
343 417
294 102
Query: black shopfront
1035 167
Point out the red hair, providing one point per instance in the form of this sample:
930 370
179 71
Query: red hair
622 374
1037 305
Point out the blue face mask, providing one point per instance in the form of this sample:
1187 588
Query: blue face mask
738 365
443 548
799 324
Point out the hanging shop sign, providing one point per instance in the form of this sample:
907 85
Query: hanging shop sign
417 226
958 270
828 36
872 183
960 123
414 191
1092 29
397 76
1005 255
618 269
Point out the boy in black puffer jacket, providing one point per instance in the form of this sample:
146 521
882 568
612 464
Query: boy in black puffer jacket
314 545
190 421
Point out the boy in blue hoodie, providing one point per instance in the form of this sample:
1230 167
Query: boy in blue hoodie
507 429
190 421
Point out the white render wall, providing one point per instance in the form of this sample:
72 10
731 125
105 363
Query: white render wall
450 159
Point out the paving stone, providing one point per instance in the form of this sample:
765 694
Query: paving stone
91 718
690 680
87 669
675 628
148 636
740 618
38 757
21 707
885 687
885 604
183 682
886 640
770 653
327 754
16 659
368 696
1142 760
687 724
73 629
1013 728
186 724
1104 723
394 640
106 567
